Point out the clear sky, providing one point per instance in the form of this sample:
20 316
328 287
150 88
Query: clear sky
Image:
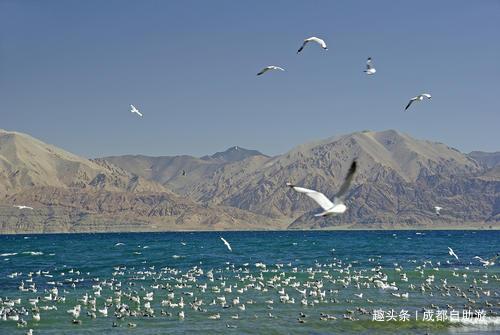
70 69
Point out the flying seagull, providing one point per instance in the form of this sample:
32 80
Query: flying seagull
23 207
338 206
226 243
313 39
419 97
270 67
369 67
438 209
452 253
135 110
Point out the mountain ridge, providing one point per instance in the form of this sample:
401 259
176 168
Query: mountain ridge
399 181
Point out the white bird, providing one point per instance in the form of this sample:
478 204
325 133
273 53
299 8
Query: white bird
104 311
23 207
452 253
226 243
488 262
419 97
135 110
270 67
338 206
438 210
313 39
369 67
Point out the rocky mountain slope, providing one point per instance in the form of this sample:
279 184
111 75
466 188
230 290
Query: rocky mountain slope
233 154
26 162
399 181
168 170
71 193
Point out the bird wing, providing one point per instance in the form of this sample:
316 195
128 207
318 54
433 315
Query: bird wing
409 103
452 253
303 45
347 181
264 70
226 243
270 67
319 197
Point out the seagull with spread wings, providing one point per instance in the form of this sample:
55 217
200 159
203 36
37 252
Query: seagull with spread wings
330 208
313 39
419 97
269 68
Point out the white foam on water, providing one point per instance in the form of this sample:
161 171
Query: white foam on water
8 254
33 253
486 321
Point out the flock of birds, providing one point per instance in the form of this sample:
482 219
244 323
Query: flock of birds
370 70
250 291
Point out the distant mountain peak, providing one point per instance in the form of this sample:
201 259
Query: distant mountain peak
233 154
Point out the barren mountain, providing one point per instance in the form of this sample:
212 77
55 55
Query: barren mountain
399 181
168 170
77 210
71 193
27 162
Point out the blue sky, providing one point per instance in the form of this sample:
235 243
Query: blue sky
69 70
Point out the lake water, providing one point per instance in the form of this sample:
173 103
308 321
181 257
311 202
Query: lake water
336 266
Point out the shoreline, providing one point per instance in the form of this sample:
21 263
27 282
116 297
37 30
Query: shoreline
340 229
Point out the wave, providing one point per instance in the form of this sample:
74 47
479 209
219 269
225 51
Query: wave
486 321
8 254
33 253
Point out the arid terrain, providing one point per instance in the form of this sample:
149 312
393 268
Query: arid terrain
399 181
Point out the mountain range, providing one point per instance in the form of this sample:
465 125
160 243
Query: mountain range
399 181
